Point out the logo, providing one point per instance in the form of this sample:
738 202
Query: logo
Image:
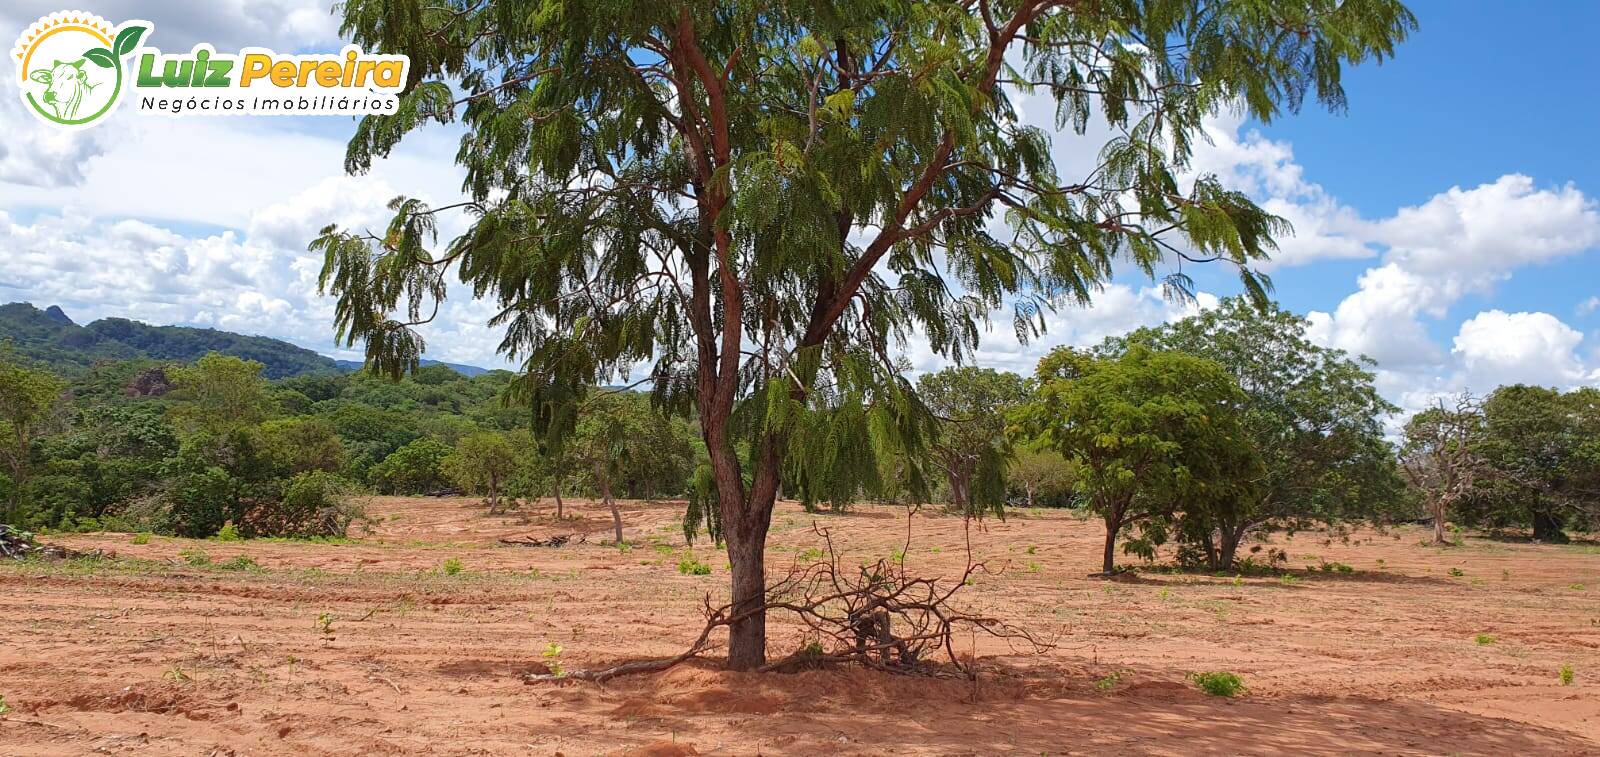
74 67
71 66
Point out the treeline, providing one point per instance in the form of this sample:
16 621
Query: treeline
1525 458
1196 434
186 449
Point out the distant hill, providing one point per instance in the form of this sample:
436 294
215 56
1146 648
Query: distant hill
466 370
50 337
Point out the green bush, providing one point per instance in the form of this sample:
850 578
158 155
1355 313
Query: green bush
228 532
1219 684
690 566
451 566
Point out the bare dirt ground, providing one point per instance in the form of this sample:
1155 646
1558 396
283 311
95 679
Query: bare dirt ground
368 647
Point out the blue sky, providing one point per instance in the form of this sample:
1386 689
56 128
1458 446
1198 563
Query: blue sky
1447 224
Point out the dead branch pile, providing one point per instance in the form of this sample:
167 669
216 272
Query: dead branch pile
876 615
554 541
19 545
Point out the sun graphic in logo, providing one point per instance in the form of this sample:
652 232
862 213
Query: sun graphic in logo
70 66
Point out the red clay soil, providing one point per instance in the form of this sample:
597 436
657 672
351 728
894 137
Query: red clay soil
369 647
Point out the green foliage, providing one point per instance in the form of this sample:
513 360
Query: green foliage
481 463
1043 477
50 339
1311 413
1219 684
1149 433
195 556
142 538
1566 675
228 532
219 393
1484 639
241 563
971 446
416 468
28 402
1541 454
451 566
690 566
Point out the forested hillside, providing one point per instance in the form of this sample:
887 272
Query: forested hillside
52 340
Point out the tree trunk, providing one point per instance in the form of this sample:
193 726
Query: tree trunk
1029 489
1228 546
745 529
494 495
1548 529
1109 557
1438 522
604 482
559 506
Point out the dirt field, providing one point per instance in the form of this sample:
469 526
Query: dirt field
369 648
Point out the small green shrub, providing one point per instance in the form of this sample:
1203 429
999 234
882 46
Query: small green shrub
195 556
4 708
141 538
1109 682
811 554
243 563
1457 572
552 651
325 623
1219 684
1484 639
689 566
228 532
1566 680
451 566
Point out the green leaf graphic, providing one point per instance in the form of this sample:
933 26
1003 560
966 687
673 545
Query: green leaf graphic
100 57
128 39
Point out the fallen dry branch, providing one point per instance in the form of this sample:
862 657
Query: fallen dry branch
554 541
876 615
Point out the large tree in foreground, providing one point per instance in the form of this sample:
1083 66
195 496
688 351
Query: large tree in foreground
761 200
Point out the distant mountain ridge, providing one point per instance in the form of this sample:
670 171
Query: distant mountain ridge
51 337
466 370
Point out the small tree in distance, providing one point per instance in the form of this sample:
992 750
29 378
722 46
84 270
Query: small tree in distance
481 463
1440 457
971 446
1148 431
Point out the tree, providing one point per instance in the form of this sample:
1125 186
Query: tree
1543 449
1313 416
219 393
482 462
622 440
1042 475
28 402
302 445
413 469
1148 432
1440 456
971 446
761 200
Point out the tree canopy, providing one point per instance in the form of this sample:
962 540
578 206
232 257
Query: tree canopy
1149 433
1312 414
